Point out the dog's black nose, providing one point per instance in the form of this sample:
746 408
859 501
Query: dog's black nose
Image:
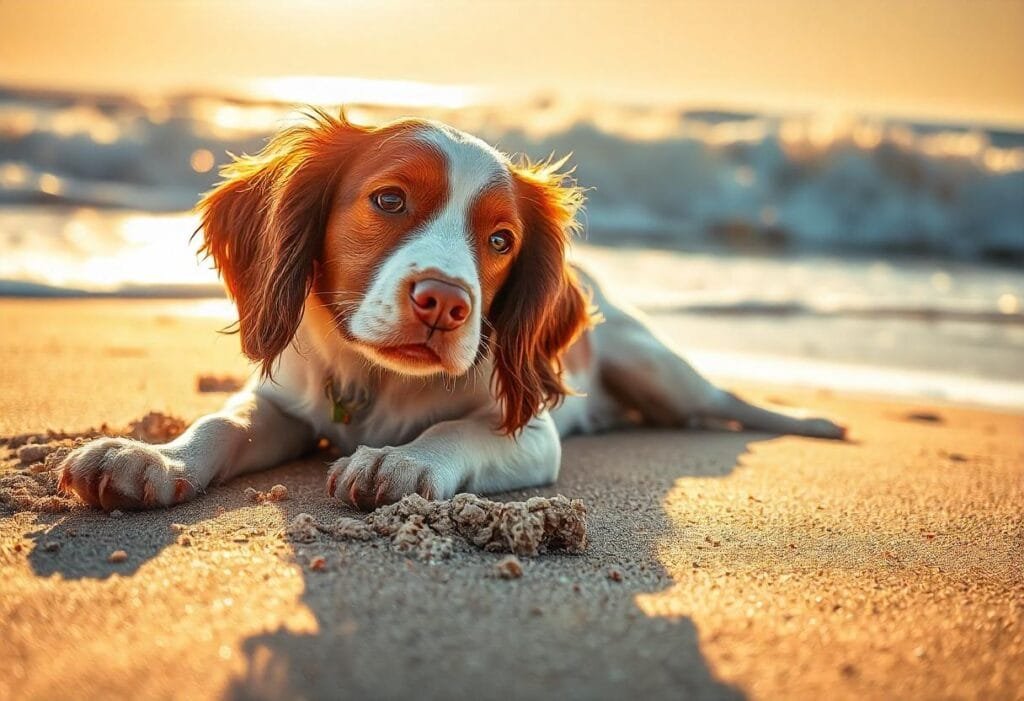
439 304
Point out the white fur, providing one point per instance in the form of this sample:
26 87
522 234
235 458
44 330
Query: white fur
443 248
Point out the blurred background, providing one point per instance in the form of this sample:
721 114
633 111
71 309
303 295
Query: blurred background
801 192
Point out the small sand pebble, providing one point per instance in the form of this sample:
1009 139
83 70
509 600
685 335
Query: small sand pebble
928 417
278 492
178 528
509 567
51 546
218 383
116 513
318 564
615 575
117 556
33 452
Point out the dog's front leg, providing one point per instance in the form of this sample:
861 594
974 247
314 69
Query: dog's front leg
249 434
451 456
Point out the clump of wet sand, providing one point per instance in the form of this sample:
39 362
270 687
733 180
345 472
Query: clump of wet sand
431 530
28 474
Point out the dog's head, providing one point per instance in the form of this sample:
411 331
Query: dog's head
429 248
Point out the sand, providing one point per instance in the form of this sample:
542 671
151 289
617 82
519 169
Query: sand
718 565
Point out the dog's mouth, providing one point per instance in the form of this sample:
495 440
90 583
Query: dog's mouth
407 358
419 354
418 358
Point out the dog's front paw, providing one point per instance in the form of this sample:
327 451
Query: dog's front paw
117 473
372 477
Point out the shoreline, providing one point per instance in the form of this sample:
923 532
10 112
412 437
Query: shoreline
59 360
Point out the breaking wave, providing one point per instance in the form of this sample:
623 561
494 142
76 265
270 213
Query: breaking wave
656 176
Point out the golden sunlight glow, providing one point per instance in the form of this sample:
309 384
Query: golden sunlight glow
127 249
201 160
13 175
323 90
939 59
764 553
1008 303
50 184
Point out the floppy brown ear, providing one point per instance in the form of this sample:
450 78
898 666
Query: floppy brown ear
541 308
263 226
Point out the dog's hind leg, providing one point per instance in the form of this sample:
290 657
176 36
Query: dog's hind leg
649 379
728 407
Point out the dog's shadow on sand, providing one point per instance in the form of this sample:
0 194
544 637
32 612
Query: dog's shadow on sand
80 544
391 627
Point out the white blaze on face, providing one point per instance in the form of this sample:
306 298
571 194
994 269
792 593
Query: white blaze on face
444 249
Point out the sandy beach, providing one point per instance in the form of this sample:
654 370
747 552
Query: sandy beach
720 565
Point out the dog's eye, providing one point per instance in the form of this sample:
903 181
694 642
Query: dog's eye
390 200
501 241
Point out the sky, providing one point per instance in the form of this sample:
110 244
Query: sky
936 59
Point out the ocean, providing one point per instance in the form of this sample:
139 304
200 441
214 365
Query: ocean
857 253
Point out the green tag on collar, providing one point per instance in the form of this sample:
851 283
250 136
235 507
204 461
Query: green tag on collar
340 413
343 408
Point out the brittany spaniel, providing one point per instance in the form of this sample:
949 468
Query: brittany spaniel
405 292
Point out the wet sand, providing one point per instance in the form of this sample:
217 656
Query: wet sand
748 565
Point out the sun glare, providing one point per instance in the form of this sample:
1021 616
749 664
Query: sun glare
323 90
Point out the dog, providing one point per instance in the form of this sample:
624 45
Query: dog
406 294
